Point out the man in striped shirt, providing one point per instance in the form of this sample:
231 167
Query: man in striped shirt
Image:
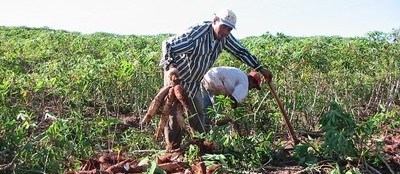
190 55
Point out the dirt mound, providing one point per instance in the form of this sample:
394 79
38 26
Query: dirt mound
392 148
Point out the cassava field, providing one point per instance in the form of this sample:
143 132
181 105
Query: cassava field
72 103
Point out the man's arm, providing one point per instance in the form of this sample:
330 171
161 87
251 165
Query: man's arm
180 44
172 48
234 47
237 49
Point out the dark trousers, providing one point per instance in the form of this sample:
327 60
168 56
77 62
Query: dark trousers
172 131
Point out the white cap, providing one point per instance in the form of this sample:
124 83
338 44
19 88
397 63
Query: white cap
227 17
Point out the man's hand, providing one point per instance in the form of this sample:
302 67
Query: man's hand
267 74
235 104
173 74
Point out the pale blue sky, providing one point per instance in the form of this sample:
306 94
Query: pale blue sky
347 18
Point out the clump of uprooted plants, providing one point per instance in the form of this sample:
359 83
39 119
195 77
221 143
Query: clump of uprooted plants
170 162
169 98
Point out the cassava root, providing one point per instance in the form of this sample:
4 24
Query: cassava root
156 103
168 97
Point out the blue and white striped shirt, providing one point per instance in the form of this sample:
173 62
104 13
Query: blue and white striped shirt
194 52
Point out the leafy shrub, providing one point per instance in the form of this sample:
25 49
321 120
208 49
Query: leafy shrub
339 137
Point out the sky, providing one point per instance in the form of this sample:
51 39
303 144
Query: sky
346 18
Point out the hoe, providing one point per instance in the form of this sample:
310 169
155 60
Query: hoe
288 125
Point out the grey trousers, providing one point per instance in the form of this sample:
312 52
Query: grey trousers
172 131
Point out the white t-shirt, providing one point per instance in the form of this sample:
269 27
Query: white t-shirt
227 81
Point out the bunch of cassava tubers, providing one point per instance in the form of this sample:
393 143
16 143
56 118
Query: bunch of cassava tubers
168 97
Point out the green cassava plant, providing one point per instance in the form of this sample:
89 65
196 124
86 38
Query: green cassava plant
66 91
234 139
340 136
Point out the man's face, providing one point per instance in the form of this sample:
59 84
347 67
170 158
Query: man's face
253 84
220 30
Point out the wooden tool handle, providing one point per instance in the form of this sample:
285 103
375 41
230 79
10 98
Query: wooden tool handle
288 125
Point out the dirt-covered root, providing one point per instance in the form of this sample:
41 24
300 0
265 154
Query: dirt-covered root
171 162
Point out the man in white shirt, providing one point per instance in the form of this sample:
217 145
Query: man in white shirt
228 81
